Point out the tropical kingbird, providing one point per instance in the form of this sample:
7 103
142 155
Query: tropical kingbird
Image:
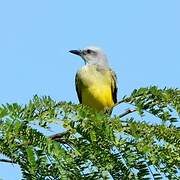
96 83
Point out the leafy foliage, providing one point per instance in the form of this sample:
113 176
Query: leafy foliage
92 145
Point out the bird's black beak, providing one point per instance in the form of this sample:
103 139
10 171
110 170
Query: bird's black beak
77 52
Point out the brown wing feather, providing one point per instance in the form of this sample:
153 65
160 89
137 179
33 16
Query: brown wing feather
78 90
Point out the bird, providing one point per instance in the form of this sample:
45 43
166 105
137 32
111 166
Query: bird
96 82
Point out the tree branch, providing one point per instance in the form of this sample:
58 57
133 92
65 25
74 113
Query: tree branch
56 137
128 100
59 136
119 102
7 161
127 112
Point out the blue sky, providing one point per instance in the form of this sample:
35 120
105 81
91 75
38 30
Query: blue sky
141 39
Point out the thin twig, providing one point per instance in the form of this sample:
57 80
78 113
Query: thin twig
119 102
63 138
7 161
128 99
24 144
127 112
58 136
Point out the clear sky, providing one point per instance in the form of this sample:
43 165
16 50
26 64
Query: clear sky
141 39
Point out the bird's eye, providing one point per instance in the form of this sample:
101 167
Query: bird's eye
88 51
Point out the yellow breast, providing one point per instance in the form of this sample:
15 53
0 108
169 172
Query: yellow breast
96 87
98 97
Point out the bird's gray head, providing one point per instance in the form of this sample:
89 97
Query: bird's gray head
92 55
